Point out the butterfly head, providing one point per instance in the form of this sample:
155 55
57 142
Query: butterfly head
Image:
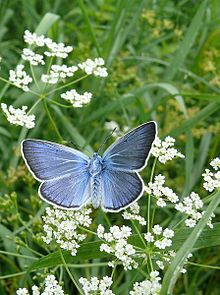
96 165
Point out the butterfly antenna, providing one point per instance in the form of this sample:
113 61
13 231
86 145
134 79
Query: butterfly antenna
106 139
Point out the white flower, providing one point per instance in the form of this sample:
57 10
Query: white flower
161 203
160 264
212 179
191 206
190 222
94 67
62 226
94 285
22 291
52 287
58 72
149 237
57 49
168 233
157 189
77 100
148 287
164 151
157 229
215 163
161 238
116 244
134 214
33 38
33 58
20 78
18 116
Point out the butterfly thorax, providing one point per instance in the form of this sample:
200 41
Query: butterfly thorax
96 165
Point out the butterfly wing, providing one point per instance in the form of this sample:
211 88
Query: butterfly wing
63 172
120 189
121 184
131 151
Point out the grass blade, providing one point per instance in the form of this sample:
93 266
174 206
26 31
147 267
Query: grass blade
172 273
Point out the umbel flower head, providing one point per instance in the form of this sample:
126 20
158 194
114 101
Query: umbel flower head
62 226
52 287
117 244
18 116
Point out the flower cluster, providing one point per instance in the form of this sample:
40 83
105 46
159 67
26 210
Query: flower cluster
148 287
212 179
58 72
33 58
52 287
63 226
132 213
191 206
96 286
161 238
117 245
54 49
112 125
157 189
94 67
164 150
20 78
77 100
18 116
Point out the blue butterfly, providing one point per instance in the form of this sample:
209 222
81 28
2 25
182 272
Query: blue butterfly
70 179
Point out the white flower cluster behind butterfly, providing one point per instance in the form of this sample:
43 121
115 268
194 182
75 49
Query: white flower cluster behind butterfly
191 205
164 150
52 287
57 73
63 227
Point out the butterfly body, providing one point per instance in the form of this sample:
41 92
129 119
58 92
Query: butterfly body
70 179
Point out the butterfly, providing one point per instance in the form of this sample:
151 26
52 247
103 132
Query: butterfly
70 179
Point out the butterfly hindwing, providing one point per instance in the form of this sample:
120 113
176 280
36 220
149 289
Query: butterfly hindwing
131 151
70 191
120 189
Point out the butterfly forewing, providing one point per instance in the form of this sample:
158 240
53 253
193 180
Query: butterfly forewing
63 171
131 151
48 160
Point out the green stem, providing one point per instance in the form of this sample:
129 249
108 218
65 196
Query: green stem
69 272
52 121
18 255
204 265
87 230
34 77
138 232
12 275
66 85
149 197
60 104
12 84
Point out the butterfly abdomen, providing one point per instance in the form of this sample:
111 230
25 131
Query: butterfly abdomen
96 191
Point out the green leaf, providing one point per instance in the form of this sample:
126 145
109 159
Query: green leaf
186 44
46 23
173 271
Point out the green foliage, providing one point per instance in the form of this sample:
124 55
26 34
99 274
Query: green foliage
163 64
